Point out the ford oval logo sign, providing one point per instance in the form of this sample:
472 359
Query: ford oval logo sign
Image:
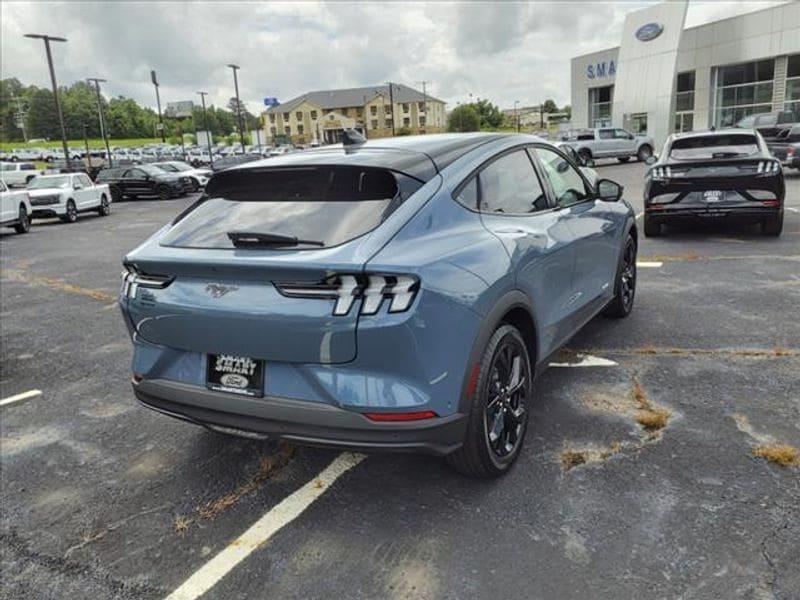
648 32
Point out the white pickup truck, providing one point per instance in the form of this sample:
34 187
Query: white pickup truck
610 142
66 195
18 174
15 209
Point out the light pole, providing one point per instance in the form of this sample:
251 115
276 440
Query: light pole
97 83
47 39
154 79
391 104
205 125
516 113
424 103
235 68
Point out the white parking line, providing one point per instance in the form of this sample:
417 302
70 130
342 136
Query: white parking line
649 265
262 530
791 208
22 396
587 360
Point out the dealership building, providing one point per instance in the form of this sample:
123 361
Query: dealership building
666 78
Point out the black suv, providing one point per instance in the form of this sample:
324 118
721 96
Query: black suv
144 180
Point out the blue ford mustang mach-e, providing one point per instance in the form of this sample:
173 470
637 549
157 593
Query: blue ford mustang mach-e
386 295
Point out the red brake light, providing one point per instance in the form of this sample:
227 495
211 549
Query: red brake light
402 416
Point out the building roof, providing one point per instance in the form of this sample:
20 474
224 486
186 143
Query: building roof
333 99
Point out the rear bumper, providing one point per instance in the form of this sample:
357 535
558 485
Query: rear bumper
310 423
705 214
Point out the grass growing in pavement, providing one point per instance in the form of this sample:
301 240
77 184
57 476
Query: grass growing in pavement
784 455
652 418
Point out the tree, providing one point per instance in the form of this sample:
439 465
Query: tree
12 101
463 118
549 106
490 115
42 119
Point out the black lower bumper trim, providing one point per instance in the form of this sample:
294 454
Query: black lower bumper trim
309 423
701 215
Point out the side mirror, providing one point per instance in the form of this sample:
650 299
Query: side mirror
609 191
651 160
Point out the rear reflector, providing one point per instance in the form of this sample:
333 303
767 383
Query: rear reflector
654 207
771 203
404 416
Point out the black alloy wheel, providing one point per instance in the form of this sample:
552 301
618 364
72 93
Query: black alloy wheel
72 213
105 208
499 407
625 284
23 224
644 153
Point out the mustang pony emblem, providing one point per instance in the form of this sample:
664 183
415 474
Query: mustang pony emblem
218 290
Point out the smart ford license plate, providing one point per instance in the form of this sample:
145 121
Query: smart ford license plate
235 375
713 196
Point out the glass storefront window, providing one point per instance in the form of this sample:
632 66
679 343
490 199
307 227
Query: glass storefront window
743 90
600 100
792 98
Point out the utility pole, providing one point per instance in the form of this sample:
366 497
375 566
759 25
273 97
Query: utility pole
424 102
235 68
154 79
47 39
516 113
541 116
391 102
86 143
19 118
205 125
103 132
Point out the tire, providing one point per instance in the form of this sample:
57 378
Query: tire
23 224
28 179
624 283
644 152
505 364
72 213
773 227
105 208
652 228
116 194
623 159
584 154
195 185
164 193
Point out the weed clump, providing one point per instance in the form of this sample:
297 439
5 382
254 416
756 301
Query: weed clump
784 455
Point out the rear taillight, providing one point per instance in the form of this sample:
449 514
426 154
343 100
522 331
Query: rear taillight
133 279
372 289
768 167
661 173
790 151
395 417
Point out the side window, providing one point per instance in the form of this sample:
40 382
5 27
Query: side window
568 185
621 134
133 174
85 181
3 187
509 185
468 196
606 134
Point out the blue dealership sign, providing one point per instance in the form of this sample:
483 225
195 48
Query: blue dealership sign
271 102
648 32
601 69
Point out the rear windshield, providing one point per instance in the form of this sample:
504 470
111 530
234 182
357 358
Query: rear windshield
321 206
714 146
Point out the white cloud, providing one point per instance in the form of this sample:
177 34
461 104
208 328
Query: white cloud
500 51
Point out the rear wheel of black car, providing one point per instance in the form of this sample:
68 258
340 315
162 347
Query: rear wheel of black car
23 221
116 193
498 418
644 153
72 213
773 226
623 158
164 193
625 283
652 228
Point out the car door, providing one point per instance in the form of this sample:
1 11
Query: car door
87 192
595 230
134 182
605 143
515 207
624 142
7 209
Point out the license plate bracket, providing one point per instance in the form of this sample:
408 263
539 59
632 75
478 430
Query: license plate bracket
239 375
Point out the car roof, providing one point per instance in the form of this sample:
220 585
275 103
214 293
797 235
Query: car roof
419 156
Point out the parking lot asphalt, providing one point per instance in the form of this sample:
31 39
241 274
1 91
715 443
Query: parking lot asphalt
104 499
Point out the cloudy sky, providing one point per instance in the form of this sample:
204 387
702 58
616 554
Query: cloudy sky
500 51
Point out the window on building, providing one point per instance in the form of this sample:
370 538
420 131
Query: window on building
792 98
405 107
421 106
684 122
298 115
300 129
422 121
287 130
684 102
406 122
359 112
313 114
743 90
374 123
273 131
387 109
600 100
373 110
286 117
388 123
272 117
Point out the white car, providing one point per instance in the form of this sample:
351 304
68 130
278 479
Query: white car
199 177
15 209
66 195
18 174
